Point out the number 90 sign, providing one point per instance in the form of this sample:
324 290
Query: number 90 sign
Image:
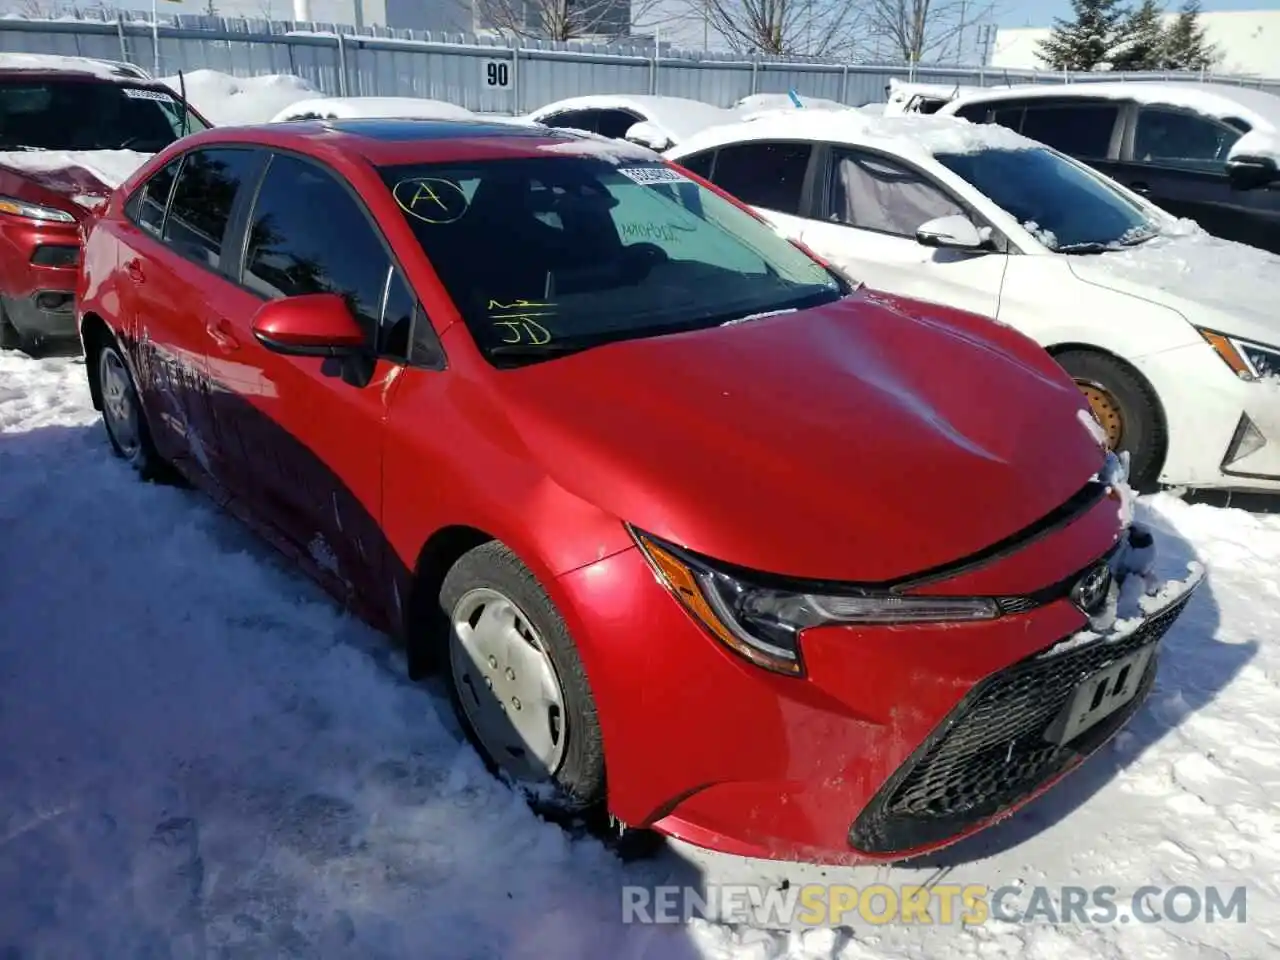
497 73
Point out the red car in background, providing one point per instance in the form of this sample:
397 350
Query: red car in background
704 539
71 129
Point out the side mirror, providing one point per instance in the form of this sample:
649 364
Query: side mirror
951 233
649 135
1249 173
312 325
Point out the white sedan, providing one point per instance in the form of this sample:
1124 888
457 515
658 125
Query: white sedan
1173 335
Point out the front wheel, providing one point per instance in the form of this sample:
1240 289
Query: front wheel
518 686
1125 407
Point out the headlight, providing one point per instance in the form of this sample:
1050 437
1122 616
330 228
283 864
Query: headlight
763 623
33 211
1249 360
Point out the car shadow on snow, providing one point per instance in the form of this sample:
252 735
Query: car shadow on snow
1194 668
240 762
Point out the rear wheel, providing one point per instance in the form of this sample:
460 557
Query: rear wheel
122 413
1125 407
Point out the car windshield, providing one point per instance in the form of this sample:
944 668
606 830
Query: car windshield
1066 208
548 255
89 115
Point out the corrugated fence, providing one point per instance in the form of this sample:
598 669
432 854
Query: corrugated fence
487 74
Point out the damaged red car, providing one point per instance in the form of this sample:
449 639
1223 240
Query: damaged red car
703 538
71 129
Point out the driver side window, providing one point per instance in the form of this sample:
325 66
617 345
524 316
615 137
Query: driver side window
874 193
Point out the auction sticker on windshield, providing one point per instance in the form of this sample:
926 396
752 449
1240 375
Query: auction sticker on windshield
133 93
650 175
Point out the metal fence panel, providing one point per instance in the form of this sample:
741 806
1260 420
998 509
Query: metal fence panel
489 75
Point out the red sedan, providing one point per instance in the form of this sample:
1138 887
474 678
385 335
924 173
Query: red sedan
703 538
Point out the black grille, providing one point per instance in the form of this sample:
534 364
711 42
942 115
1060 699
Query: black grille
55 255
991 750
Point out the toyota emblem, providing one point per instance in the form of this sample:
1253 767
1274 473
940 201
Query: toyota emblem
1090 592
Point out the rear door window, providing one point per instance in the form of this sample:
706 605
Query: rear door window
1182 139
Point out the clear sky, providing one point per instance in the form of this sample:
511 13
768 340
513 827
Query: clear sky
1040 13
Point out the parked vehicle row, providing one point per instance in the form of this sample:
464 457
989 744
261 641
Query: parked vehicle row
1171 334
704 539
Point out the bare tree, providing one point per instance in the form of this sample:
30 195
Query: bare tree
922 30
564 19
38 10
819 28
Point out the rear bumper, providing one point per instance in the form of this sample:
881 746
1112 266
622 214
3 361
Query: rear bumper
45 314
897 741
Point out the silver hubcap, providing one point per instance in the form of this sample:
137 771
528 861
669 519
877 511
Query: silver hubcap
508 687
118 411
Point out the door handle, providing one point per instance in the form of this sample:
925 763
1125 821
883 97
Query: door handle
219 332
134 269
1140 187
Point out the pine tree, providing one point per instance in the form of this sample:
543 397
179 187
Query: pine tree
1186 46
1088 41
1145 44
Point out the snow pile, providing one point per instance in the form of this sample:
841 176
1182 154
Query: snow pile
112 167
347 108
229 101
586 144
202 756
677 117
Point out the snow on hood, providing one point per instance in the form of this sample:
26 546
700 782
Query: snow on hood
769 102
228 101
84 175
350 108
1209 280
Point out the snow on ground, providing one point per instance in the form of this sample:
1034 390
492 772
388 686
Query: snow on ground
200 756
227 101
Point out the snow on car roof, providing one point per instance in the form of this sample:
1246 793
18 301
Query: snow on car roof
349 108
679 116
909 136
106 69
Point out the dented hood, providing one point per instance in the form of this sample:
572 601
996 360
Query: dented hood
894 435
85 177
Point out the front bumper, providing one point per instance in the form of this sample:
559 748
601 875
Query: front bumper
1224 433
43 315
897 741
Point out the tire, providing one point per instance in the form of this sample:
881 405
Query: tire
120 404
1130 411
571 784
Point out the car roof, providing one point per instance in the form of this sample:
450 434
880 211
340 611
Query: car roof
393 141
917 137
1257 107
